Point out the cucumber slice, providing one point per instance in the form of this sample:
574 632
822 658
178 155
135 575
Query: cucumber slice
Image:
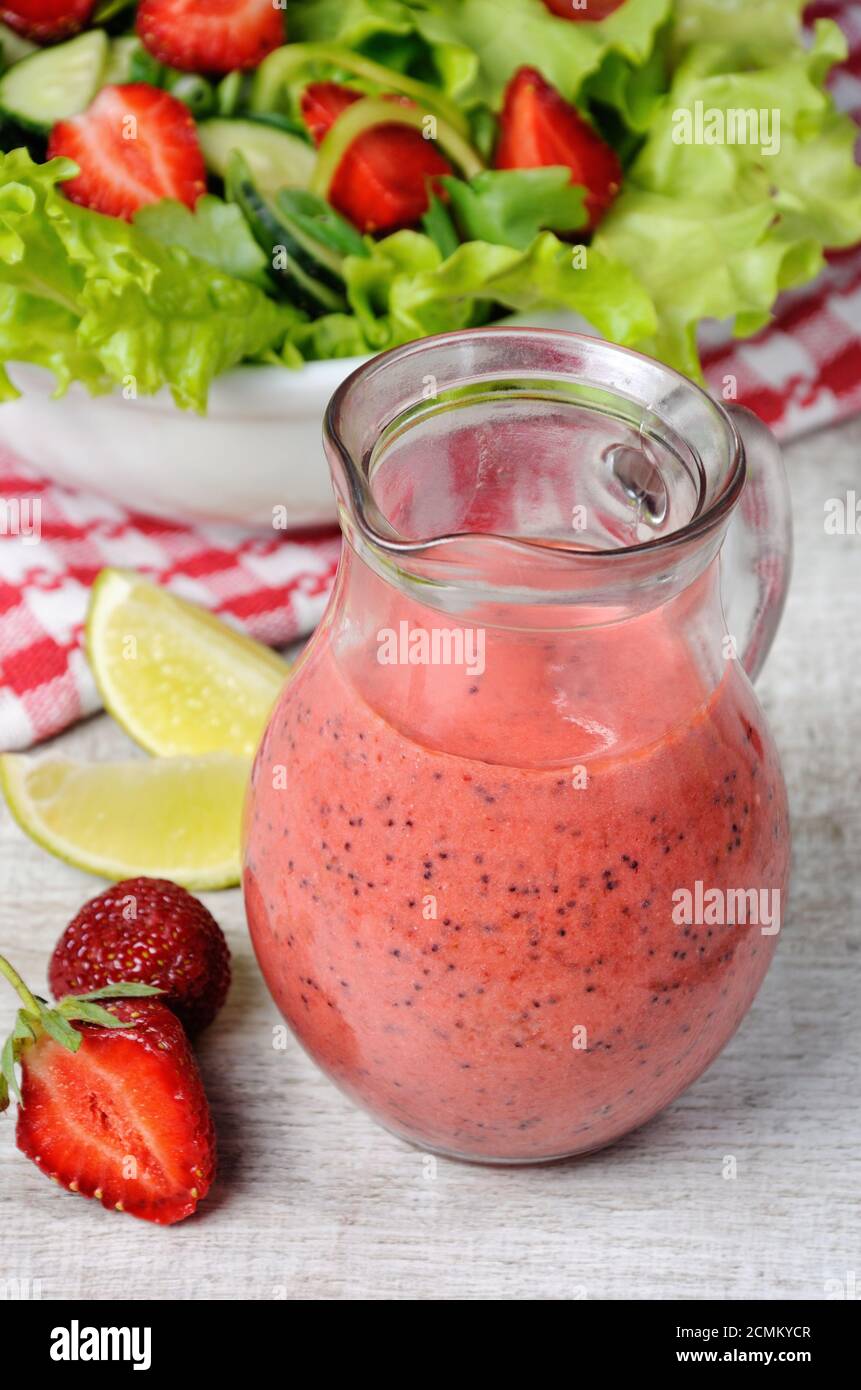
55 83
278 121
128 61
319 221
306 268
14 47
276 159
119 62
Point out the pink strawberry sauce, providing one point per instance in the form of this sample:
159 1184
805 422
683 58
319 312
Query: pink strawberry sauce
551 1003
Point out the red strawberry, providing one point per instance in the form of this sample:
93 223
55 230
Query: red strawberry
46 20
133 145
384 180
322 103
114 1107
590 10
211 35
539 127
152 932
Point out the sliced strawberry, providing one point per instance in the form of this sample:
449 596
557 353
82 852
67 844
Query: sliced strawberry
133 145
46 20
538 128
110 1101
322 103
214 36
385 179
586 10
384 182
125 1118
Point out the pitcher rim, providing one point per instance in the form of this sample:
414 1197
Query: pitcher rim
383 536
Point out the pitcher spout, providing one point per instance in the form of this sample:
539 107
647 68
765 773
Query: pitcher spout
532 478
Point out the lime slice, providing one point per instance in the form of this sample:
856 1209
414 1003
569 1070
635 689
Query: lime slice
177 679
173 818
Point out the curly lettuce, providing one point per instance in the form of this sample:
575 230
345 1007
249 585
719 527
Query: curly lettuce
407 289
474 46
100 302
718 230
389 31
508 34
700 230
511 206
215 232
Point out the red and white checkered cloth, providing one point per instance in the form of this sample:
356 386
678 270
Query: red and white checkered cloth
274 588
802 371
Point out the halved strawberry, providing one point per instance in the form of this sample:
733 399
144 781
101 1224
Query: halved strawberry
214 36
586 10
385 179
322 103
46 21
133 145
539 128
112 1107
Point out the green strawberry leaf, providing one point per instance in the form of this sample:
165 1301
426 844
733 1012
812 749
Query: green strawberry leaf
91 1013
24 1030
126 990
62 1032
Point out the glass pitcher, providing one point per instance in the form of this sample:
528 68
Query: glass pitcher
517 839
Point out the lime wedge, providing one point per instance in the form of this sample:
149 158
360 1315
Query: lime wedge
178 679
173 818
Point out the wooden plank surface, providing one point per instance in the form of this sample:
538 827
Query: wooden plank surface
314 1200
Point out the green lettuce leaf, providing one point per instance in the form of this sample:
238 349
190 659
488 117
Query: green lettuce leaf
756 32
633 89
98 301
508 34
511 206
439 226
333 335
215 232
698 231
717 230
702 258
406 290
390 32
713 76
474 46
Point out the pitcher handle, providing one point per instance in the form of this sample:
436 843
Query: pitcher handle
756 561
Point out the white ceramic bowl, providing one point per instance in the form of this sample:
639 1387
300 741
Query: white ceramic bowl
259 446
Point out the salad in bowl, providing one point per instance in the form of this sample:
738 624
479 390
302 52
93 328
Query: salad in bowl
211 210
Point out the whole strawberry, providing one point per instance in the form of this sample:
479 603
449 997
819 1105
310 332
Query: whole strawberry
151 932
110 1101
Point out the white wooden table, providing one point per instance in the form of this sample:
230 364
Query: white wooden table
315 1201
